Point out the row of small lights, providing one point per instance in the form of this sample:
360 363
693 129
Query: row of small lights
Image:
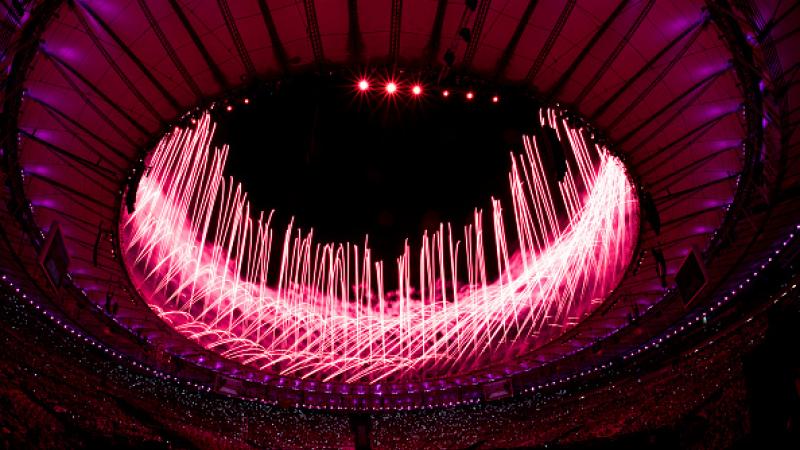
393 88
89 340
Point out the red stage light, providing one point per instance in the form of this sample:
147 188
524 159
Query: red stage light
495 99
363 85
391 88
470 95
229 108
445 93
247 101
417 89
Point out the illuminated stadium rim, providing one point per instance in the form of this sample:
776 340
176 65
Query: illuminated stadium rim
496 371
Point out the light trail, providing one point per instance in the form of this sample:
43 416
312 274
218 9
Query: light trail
202 261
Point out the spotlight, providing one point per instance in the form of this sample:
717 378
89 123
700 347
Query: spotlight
470 95
391 88
446 93
417 89
229 108
363 85
247 101
495 99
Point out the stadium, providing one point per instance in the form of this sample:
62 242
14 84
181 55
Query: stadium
399 224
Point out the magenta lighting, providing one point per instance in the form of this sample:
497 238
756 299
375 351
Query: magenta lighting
363 85
391 87
201 258
416 90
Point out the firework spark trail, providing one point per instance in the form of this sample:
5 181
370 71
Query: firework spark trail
202 262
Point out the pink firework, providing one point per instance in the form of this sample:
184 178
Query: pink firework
202 261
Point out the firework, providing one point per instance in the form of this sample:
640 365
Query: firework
205 263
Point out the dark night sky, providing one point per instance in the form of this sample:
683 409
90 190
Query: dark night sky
348 165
